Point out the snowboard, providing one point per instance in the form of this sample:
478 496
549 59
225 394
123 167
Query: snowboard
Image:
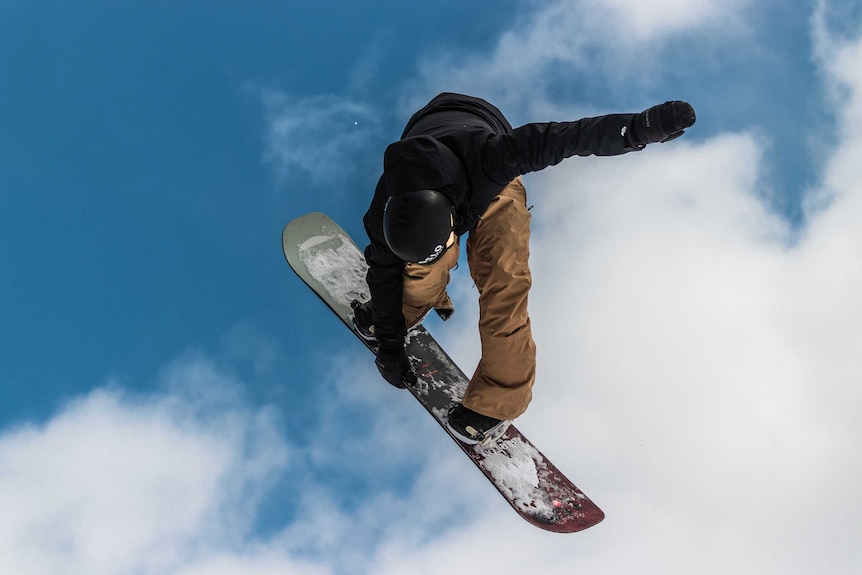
330 263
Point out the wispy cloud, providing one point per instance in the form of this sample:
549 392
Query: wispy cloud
321 137
616 45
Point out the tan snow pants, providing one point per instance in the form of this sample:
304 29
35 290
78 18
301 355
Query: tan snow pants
497 252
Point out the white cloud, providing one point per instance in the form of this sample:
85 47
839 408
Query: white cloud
698 354
172 482
619 42
119 484
655 19
319 136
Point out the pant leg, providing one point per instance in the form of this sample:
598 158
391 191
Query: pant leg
424 287
498 253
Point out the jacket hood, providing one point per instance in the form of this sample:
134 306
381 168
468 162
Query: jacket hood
422 163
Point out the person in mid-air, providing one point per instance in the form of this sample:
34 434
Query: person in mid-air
457 170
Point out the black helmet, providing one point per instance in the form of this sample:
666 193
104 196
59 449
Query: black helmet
417 225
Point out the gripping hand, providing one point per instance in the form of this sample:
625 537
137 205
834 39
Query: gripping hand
392 362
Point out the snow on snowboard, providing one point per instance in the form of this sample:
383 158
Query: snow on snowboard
325 258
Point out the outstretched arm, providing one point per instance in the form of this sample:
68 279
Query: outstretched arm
533 147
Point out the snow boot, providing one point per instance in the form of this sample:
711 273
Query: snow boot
363 322
471 427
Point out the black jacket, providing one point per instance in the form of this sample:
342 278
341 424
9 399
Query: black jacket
465 148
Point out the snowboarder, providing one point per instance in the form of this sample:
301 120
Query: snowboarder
457 169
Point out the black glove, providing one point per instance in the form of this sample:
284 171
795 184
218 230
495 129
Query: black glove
661 123
392 362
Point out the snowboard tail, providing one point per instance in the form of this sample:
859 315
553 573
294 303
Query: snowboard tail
330 263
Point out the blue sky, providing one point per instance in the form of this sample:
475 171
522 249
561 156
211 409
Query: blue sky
175 400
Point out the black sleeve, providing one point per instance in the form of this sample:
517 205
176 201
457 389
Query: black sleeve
533 147
385 275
